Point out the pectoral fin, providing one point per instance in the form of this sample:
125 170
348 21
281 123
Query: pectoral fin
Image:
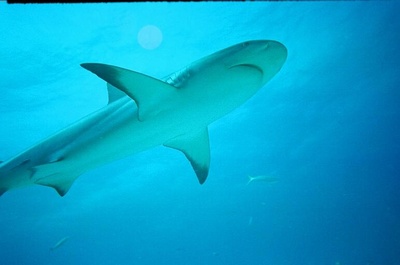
196 147
52 175
57 182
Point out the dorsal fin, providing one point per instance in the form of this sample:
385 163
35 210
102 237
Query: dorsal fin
146 91
114 93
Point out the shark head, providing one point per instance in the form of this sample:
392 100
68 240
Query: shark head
226 79
265 56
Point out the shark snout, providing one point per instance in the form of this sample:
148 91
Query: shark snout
266 56
275 52
275 49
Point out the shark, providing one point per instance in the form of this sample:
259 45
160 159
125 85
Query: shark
144 112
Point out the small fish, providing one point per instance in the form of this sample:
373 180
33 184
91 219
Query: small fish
263 178
59 243
250 221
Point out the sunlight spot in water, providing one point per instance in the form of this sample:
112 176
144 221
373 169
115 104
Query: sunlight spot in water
150 37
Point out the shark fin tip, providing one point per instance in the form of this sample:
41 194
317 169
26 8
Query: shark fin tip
48 175
201 172
2 191
61 191
196 148
61 188
85 65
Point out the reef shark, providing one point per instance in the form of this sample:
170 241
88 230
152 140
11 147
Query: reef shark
144 112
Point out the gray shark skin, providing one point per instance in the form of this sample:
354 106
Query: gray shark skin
144 112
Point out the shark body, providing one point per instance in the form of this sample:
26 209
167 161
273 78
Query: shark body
144 112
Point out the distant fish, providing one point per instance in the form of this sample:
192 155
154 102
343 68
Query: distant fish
263 178
59 243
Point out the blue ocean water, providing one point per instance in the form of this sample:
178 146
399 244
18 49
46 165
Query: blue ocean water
327 125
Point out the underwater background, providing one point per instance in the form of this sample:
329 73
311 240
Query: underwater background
327 126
